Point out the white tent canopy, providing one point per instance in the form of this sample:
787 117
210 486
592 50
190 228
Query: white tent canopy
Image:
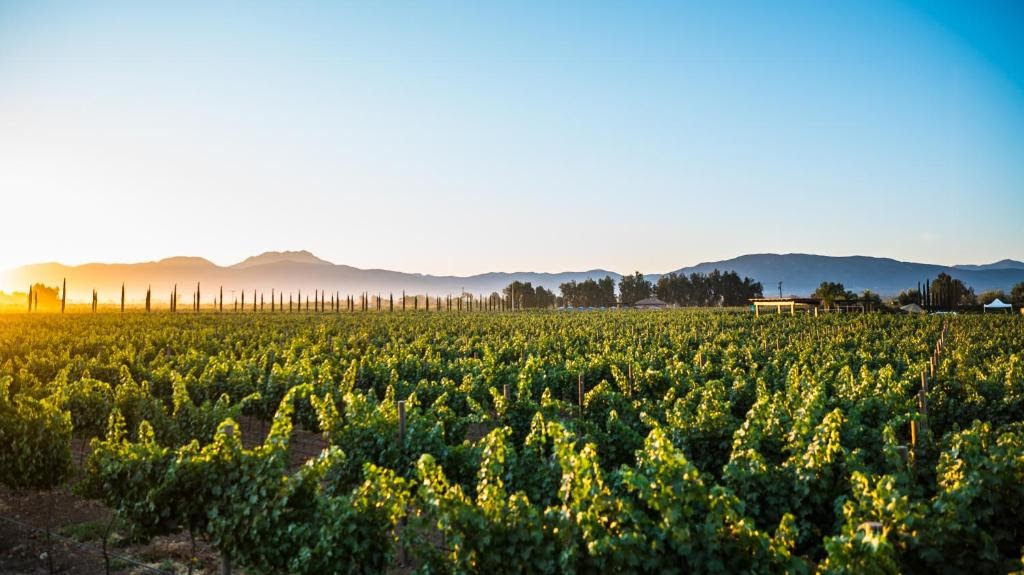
997 304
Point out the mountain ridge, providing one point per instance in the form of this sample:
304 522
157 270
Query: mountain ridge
799 273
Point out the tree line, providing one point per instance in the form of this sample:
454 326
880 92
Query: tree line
948 293
714 289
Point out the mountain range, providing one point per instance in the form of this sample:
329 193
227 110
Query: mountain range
800 274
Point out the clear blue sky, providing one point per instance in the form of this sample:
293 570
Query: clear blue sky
466 137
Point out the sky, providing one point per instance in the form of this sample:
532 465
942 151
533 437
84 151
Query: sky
465 137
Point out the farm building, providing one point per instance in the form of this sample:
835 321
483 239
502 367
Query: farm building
650 303
789 304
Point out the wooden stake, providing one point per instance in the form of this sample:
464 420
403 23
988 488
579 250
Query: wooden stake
401 421
581 391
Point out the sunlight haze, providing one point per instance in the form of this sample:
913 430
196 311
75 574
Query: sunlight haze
451 138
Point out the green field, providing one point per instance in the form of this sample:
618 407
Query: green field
706 441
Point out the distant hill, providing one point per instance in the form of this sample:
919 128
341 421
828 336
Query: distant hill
265 258
281 271
999 265
800 274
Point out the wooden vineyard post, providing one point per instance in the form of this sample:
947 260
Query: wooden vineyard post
505 392
922 408
913 435
401 421
580 390
401 444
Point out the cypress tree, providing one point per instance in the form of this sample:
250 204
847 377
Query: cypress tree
122 297
63 294
29 298
148 296
391 302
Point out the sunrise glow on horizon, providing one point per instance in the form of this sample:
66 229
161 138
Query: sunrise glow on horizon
467 138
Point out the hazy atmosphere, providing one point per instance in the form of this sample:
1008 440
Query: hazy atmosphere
450 138
547 287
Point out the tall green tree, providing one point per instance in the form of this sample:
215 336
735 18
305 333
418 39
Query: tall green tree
950 293
1017 294
588 293
634 288
831 292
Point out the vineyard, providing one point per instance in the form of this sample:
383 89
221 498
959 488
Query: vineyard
549 442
